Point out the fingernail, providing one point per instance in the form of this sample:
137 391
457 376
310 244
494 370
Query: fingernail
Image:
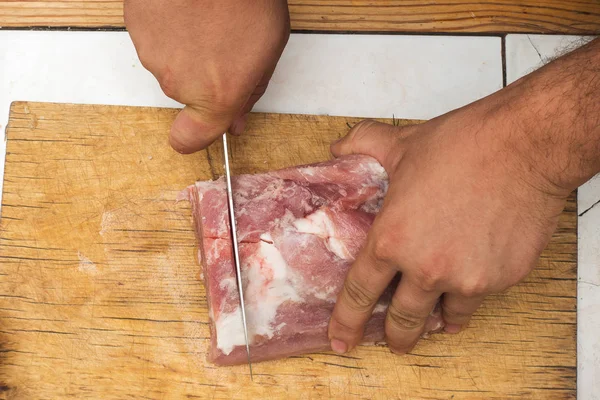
338 346
452 328
239 126
237 129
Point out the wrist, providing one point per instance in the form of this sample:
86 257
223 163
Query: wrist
498 128
549 120
539 155
563 99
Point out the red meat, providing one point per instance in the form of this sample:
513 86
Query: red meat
299 229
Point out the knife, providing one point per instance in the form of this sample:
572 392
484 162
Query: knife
236 252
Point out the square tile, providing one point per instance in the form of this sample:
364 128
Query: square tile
524 54
356 75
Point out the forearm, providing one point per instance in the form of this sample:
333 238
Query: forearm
556 112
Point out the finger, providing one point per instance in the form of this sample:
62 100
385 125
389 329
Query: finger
364 284
457 310
372 138
195 129
239 125
407 314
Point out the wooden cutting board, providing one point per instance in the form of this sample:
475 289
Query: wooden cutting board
100 294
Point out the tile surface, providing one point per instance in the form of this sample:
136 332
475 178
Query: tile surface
355 75
525 53
380 76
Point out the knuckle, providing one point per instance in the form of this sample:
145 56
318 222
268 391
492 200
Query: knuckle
474 287
429 278
455 314
384 246
229 103
168 82
360 127
221 94
214 94
360 131
348 329
226 91
470 290
434 272
220 101
404 319
357 297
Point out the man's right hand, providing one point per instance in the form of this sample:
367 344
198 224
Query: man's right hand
214 56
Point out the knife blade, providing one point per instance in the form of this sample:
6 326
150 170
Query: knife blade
236 252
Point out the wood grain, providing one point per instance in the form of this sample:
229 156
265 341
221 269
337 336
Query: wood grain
492 16
100 294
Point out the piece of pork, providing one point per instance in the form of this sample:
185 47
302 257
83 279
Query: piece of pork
299 229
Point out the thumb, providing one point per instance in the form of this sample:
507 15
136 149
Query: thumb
371 138
195 130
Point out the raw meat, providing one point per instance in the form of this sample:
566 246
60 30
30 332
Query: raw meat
299 230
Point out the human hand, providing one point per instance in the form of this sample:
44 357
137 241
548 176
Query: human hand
214 56
465 216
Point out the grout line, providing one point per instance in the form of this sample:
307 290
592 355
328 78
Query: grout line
303 31
109 28
503 52
64 28
400 33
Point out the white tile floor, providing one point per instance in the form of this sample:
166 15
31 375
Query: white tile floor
370 75
525 53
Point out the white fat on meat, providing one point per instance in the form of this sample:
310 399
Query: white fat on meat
269 285
319 223
230 331
375 170
379 308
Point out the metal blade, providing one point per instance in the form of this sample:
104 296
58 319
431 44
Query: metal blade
236 252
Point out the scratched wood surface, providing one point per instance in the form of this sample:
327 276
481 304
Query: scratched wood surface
492 16
100 294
